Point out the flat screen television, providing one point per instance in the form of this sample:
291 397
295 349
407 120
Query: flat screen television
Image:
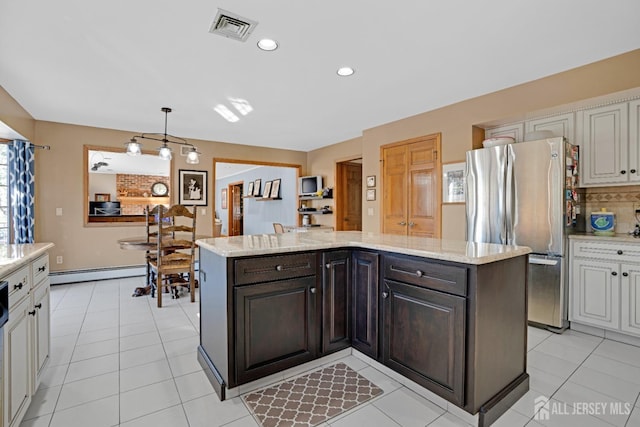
309 185
104 208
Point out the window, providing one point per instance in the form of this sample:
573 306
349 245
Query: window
5 231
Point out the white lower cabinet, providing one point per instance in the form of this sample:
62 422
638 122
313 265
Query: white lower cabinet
605 286
26 338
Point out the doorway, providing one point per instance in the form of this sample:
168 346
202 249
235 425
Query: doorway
236 208
349 195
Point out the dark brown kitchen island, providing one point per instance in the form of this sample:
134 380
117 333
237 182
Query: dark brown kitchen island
449 315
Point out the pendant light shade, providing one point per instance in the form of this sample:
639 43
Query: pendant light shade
134 148
164 152
193 157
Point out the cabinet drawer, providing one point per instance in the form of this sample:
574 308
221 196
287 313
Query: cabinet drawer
267 269
627 252
19 286
447 278
40 269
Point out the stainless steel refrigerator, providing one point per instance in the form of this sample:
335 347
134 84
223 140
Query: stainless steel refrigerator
527 194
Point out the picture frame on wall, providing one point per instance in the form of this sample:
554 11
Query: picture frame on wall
250 189
192 187
223 198
267 190
256 187
453 182
275 189
371 181
371 194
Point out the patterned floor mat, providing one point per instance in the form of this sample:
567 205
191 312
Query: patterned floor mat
311 399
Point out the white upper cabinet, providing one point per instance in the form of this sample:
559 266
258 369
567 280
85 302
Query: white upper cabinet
560 125
514 130
634 141
604 145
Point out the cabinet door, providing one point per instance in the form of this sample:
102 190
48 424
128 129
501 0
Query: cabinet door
364 306
630 299
634 141
603 144
514 130
560 125
595 293
275 327
336 298
17 342
41 331
424 338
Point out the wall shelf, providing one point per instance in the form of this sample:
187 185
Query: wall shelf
320 212
260 198
314 197
126 200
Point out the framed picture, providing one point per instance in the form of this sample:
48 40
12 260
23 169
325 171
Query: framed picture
256 187
267 190
371 181
275 188
193 187
223 198
453 182
103 197
250 189
371 194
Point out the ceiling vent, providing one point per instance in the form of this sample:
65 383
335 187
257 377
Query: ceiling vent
232 26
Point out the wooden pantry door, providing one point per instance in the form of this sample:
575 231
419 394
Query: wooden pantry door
411 187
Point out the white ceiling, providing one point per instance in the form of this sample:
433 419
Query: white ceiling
114 64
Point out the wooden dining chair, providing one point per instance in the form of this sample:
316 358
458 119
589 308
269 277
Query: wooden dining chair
174 264
151 215
278 228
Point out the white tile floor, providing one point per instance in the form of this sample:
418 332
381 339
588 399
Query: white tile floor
120 361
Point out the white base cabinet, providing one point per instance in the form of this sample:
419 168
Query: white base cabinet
26 338
605 285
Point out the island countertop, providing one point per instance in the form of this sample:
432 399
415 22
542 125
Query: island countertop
447 250
14 256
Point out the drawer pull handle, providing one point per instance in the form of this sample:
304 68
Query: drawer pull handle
327 266
614 273
620 252
38 306
18 286
32 313
279 267
419 273
312 290
625 274
385 295
43 268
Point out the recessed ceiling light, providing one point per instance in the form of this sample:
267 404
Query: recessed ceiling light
345 71
268 44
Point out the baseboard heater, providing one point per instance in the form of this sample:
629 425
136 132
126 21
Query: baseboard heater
91 274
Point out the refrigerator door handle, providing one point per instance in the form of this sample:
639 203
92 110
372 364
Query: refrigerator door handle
543 261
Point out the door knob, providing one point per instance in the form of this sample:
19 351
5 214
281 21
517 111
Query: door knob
402 223
411 224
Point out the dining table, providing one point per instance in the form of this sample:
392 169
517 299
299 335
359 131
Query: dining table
143 243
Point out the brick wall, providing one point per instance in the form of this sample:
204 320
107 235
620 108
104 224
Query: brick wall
137 186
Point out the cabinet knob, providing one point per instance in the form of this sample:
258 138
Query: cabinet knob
312 290
623 172
32 313
620 252
18 286
419 273
632 171
327 266
625 274
385 295
614 273
38 306
279 267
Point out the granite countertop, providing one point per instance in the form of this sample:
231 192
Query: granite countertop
14 256
448 250
620 237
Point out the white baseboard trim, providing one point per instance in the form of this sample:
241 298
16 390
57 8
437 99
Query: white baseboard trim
73 276
91 274
605 333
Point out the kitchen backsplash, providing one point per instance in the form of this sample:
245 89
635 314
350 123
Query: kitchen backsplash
620 200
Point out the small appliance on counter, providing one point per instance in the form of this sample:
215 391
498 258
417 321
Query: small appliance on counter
603 223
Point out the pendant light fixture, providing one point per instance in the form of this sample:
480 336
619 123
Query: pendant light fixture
134 148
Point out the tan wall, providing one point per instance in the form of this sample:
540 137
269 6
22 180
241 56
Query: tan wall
455 122
59 184
13 115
